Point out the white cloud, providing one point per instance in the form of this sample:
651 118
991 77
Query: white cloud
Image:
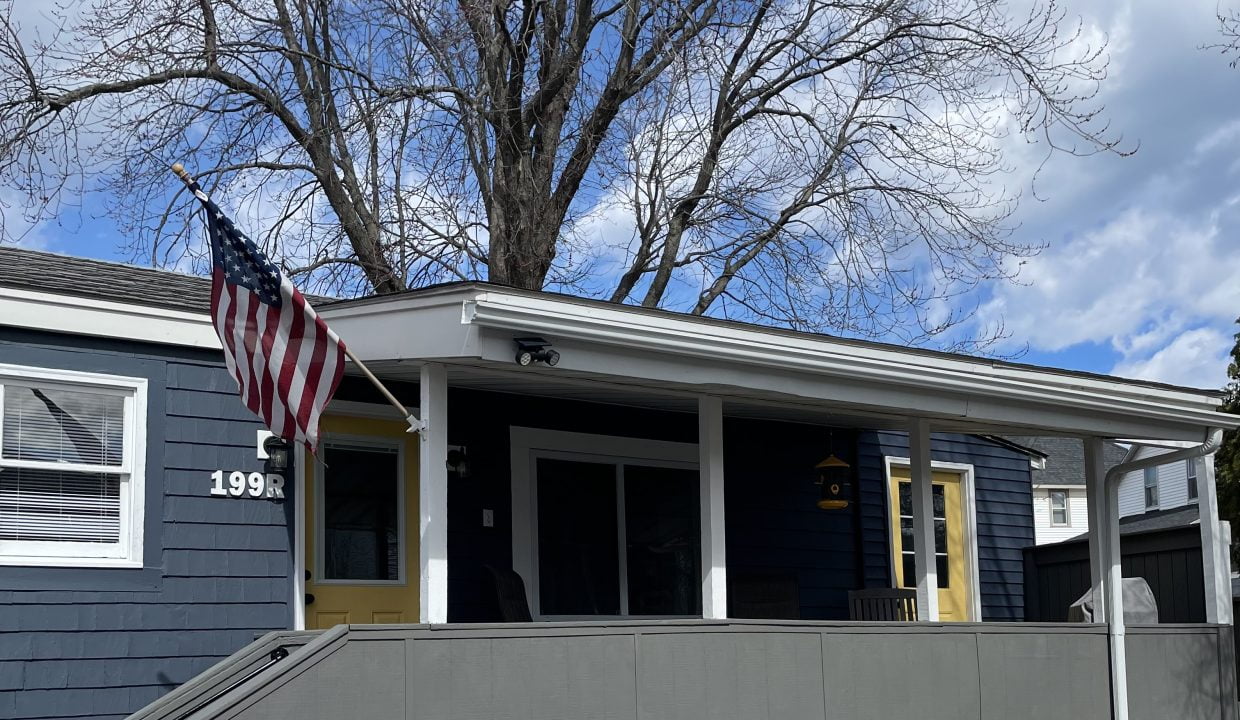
1134 283
1196 358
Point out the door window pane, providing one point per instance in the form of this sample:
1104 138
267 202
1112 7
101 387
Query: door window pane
361 514
662 518
578 554
907 542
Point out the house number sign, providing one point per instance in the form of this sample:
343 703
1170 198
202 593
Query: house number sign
240 484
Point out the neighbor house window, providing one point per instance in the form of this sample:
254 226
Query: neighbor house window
71 451
1151 487
1059 507
1190 471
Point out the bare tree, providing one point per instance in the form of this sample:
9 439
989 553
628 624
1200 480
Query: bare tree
828 165
1229 26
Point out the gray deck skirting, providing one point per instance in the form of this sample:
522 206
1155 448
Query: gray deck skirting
746 670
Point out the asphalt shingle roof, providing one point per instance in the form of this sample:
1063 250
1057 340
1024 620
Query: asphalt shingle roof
1065 458
84 277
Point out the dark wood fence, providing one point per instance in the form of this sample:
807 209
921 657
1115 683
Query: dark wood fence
1169 560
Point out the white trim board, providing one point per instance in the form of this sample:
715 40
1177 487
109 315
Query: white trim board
968 498
104 318
529 444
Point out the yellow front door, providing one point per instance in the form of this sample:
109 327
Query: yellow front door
362 524
949 540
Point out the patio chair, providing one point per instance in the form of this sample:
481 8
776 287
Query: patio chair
883 605
764 596
510 591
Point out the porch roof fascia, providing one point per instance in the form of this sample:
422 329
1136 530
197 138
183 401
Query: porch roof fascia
475 320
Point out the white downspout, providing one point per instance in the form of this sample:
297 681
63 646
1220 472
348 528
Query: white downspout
1114 591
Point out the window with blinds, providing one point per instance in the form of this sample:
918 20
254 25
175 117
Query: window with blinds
67 468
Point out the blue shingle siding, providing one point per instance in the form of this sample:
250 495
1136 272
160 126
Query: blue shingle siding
104 642
1004 512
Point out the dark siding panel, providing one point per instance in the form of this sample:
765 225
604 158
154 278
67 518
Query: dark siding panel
103 643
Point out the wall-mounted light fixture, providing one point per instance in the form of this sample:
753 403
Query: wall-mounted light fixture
458 461
279 455
534 349
835 477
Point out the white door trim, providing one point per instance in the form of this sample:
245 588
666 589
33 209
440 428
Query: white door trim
969 498
528 444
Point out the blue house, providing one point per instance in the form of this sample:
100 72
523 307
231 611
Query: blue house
703 480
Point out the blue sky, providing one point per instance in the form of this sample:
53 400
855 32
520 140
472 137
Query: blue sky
1142 274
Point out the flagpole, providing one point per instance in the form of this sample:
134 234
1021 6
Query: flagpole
415 425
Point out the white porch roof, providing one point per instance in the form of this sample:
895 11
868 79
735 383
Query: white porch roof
652 358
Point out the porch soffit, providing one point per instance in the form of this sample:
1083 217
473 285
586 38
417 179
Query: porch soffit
612 353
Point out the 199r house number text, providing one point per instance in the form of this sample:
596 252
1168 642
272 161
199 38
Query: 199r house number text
241 484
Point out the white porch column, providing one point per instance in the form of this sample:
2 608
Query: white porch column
923 520
710 466
1099 522
1215 553
433 496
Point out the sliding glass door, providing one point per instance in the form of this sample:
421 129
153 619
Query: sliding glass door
616 538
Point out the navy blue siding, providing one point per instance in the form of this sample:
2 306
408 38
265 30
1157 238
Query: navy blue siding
1004 512
106 642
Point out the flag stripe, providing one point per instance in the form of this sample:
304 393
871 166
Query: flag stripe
286 362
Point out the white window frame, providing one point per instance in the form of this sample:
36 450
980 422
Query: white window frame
1146 487
346 441
127 553
528 445
1067 507
1190 479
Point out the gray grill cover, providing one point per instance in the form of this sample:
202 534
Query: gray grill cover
1140 608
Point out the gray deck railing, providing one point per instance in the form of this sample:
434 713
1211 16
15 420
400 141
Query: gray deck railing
746 670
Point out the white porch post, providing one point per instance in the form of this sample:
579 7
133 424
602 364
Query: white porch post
1215 553
433 496
1099 522
923 520
710 467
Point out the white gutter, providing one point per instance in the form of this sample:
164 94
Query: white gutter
1112 590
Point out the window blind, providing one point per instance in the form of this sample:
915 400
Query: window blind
50 426
50 505
57 425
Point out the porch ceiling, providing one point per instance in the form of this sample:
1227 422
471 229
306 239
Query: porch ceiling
637 357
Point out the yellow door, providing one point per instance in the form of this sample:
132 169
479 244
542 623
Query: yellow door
362 524
949 540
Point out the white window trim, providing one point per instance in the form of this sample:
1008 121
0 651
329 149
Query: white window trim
1191 491
968 498
133 470
527 445
1067 508
361 442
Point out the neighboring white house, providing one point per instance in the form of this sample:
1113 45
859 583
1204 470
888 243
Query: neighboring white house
1165 487
1060 511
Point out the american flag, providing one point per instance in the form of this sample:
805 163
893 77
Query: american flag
286 361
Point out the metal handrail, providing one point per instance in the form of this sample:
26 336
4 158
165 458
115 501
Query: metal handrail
274 657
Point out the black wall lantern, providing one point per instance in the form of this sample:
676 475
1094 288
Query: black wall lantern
835 479
279 455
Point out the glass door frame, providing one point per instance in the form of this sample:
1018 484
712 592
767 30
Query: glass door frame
360 442
528 445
